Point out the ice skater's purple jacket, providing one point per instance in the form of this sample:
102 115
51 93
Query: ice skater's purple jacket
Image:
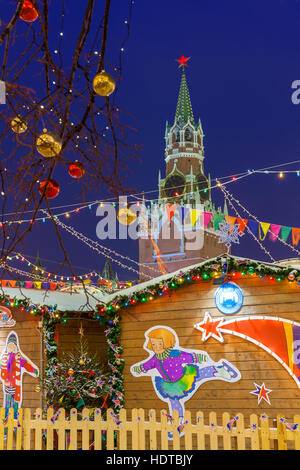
171 366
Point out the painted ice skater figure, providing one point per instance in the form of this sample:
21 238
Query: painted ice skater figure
13 363
177 373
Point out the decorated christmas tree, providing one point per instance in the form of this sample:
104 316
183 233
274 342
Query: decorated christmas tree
77 381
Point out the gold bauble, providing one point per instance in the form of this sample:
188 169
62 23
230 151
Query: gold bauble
81 362
48 144
18 126
126 216
104 84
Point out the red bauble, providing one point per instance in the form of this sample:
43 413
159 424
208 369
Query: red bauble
28 12
76 170
52 189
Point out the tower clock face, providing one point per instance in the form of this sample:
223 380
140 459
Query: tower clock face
174 186
202 185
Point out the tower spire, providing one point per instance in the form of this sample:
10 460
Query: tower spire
184 111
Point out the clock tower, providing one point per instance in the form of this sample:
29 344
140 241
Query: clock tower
186 187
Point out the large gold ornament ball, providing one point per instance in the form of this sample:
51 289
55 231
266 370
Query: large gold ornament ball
104 84
81 362
48 144
18 126
126 216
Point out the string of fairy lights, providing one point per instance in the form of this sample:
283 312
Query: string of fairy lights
112 254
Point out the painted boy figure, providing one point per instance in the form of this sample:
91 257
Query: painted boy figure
13 363
178 373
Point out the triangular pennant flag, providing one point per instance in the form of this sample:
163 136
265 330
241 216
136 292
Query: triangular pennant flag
182 213
217 220
194 215
230 220
206 218
253 226
295 235
264 227
274 231
285 231
170 210
242 224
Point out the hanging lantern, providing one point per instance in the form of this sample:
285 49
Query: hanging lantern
18 126
48 144
126 216
76 170
28 12
52 189
104 84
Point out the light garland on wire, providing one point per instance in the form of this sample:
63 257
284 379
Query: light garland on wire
255 218
225 193
99 248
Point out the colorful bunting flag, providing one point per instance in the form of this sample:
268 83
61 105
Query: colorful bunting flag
218 218
263 227
274 232
242 223
295 235
206 218
170 211
230 220
194 215
182 213
285 231
253 226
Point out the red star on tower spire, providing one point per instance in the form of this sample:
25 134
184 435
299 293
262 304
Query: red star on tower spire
183 61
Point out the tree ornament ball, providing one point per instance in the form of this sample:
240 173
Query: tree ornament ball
52 188
18 126
76 170
104 84
291 277
71 372
126 216
48 144
28 12
73 392
81 362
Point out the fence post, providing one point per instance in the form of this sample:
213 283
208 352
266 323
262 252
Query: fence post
85 429
61 429
38 429
10 430
254 432
152 429
226 432
176 436
19 429
296 432
27 428
281 434
73 429
213 431
110 445
2 417
188 431
49 430
141 428
240 428
265 433
200 431
123 430
164 430
98 429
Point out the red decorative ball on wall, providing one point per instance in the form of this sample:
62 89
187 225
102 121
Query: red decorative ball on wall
76 170
28 12
52 189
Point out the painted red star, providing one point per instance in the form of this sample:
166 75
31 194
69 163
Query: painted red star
210 327
183 61
262 393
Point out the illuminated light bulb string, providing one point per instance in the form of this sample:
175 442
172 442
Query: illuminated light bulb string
100 249
227 198
230 198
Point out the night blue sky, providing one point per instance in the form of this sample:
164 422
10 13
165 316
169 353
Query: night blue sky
244 57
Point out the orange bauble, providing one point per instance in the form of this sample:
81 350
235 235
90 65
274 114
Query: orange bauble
76 170
28 12
52 189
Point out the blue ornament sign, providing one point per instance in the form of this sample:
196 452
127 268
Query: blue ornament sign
229 298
